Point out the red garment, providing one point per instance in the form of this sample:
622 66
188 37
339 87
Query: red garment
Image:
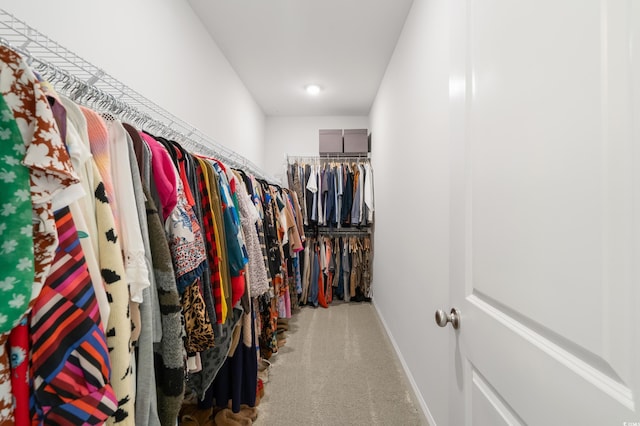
321 299
19 342
209 232
329 283
237 288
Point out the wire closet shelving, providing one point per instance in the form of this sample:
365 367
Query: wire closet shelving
91 86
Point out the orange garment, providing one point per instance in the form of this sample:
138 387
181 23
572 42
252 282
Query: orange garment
321 299
328 255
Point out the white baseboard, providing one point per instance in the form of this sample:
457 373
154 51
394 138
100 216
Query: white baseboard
416 392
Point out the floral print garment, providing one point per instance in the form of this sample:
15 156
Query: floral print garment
53 183
185 241
16 243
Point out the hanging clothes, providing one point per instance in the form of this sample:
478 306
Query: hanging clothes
53 183
339 267
169 360
163 271
16 281
67 334
113 272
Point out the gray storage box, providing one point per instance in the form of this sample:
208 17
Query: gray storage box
356 140
330 141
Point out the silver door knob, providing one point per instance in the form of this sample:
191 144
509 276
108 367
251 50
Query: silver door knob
442 318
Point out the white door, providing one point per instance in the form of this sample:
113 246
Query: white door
545 205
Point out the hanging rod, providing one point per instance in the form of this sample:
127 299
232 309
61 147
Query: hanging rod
92 87
325 158
326 231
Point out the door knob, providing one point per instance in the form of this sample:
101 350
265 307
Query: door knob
442 318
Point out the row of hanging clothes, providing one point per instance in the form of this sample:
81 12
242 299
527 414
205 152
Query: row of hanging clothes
336 267
337 204
134 271
333 192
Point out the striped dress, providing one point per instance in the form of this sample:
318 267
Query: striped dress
70 365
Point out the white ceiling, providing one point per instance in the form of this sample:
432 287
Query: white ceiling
277 47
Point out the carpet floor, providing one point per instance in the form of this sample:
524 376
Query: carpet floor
337 368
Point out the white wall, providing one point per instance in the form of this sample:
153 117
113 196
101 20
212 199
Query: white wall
299 136
160 49
410 131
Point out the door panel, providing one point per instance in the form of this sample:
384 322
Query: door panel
488 407
542 204
535 151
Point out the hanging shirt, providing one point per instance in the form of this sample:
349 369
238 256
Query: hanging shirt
336 211
347 200
258 281
361 214
321 196
339 192
368 192
312 186
164 175
83 211
235 246
357 198
346 268
130 233
16 241
16 281
53 183
221 287
185 241
308 194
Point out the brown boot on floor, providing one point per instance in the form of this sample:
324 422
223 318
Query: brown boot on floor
227 417
283 325
249 412
191 415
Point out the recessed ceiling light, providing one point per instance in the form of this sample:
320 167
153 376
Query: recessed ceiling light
313 89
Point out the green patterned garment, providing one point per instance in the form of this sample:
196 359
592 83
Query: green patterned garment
16 228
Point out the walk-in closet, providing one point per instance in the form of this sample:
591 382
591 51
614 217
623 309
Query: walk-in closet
338 212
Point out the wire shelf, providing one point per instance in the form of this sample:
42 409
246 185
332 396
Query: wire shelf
91 86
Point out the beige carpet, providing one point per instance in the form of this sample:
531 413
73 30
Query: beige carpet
337 368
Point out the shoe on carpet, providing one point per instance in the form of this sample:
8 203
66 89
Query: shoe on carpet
227 417
249 412
191 415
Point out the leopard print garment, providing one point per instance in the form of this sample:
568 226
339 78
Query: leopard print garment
197 322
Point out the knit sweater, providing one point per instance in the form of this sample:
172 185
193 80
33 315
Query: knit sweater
118 330
169 353
146 397
99 144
